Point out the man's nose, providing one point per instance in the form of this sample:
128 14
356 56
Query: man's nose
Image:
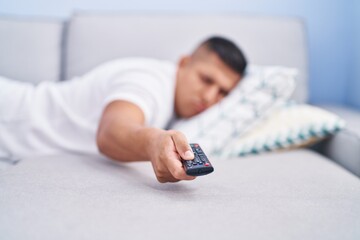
210 94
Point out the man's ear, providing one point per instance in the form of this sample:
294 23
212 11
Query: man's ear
184 60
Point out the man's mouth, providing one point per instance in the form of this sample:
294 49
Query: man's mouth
200 107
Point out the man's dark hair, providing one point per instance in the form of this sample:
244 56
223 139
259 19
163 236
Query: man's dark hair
228 52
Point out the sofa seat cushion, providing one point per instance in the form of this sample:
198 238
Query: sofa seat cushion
290 195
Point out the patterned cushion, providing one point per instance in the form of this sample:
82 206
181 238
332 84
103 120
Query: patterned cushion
293 125
263 89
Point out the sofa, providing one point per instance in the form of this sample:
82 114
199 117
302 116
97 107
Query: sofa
307 193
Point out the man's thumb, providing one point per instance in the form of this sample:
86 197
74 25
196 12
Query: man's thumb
188 155
182 146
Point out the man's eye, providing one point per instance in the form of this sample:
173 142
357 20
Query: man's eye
223 93
206 80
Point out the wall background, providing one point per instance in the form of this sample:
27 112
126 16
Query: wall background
333 31
353 89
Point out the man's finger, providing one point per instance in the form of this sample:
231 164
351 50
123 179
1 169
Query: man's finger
182 146
167 179
177 171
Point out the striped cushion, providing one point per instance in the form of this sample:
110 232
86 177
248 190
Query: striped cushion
293 125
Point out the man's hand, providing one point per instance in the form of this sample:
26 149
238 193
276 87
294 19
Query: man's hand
169 147
122 136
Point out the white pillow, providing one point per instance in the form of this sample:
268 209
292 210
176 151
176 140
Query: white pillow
262 90
293 125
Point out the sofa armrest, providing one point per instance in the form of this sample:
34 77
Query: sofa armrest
344 147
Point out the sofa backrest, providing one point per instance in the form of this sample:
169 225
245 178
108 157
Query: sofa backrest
33 49
30 49
95 38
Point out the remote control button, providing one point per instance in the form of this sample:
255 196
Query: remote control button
200 165
198 150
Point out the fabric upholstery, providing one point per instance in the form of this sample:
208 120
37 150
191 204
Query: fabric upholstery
30 49
289 195
344 147
95 38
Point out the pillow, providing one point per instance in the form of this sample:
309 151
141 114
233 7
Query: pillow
262 90
293 125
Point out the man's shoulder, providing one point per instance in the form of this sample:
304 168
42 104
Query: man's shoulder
139 63
130 69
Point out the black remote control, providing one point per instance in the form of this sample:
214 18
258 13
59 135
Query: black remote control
200 165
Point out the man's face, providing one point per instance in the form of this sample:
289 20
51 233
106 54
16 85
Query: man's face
202 80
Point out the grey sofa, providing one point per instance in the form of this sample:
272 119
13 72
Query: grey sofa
298 194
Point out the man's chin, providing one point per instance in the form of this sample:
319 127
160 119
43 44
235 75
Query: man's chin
195 113
186 115
190 112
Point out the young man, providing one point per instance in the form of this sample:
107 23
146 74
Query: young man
121 108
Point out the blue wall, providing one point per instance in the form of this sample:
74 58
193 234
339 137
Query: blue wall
354 84
331 24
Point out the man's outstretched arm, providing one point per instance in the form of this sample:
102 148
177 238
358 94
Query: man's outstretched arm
122 136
